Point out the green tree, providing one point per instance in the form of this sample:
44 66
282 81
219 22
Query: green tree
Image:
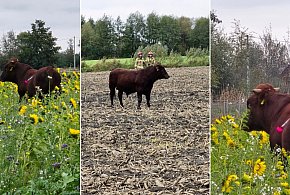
169 32
118 38
88 41
134 33
104 35
8 47
152 31
200 33
38 46
185 26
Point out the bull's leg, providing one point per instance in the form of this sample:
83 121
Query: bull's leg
139 96
112 95
120 93
148 99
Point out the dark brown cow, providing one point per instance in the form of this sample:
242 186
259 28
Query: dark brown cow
131 81
269 110
30 80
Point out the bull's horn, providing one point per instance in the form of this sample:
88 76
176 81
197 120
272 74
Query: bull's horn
257 90
277 89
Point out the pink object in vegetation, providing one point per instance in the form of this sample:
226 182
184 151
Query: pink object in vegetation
279 129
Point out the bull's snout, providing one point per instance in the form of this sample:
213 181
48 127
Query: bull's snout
166 76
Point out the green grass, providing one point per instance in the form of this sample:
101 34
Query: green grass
39 154
234 156
174 60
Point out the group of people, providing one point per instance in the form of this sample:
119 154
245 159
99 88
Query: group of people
140 63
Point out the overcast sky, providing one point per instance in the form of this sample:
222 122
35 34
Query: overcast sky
122 8
62 16
256 15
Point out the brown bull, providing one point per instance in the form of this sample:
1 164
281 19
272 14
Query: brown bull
269 110
30 80
131 81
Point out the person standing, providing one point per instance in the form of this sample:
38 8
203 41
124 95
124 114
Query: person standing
140 63
150 60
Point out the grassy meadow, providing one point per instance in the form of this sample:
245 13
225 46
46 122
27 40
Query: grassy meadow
242 162
40 151
174 60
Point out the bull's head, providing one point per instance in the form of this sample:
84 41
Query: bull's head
161 72
256 104
9 73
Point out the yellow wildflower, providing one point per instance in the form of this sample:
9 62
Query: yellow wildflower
276 193
235 125
77 87
259 167
254 133
213 128
74 131
279 165
63 105
264 138
41 119
247 178
283 175
227 183
249 162
22 110
64 90
34 102
286 191
284 184
230 141
218 121
75 74
34 117
64 74
214 138
224 118
73 102
284 152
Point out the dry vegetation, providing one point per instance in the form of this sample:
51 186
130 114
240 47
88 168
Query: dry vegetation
161 150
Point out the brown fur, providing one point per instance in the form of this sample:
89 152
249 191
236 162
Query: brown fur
269 109
131 81
29 79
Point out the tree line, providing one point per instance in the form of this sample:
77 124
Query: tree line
241 59
36 47
113 38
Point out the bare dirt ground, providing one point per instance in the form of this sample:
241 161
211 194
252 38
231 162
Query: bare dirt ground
161 150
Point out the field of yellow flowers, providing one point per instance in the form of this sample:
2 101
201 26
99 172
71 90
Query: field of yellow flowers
39 140
242 162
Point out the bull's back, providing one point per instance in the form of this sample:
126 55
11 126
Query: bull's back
122 78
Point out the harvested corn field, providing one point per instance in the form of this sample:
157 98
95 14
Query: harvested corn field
161 150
